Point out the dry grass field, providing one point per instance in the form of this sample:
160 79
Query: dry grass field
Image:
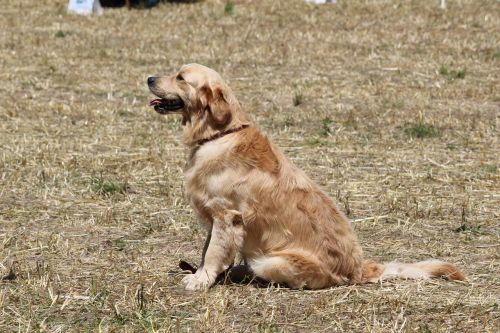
393 107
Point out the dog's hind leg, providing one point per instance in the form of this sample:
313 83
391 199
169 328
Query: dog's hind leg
296 269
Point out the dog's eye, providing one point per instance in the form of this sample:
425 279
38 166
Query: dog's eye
179 78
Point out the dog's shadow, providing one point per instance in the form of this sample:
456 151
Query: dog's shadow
238 274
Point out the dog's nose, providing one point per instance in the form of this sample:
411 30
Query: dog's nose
151 80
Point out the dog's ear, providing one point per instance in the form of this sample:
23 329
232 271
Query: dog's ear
214 102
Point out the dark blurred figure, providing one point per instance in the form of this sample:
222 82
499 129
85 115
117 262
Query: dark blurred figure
129 3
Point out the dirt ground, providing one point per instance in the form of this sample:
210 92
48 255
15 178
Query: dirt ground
393 107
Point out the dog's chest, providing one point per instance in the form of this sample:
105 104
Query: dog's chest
207 174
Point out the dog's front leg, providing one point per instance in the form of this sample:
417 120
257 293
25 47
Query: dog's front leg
205 247
225 240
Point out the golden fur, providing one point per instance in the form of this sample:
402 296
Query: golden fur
253 201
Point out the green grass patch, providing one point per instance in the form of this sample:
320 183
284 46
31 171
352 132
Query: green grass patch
298 98
326 126
320 141
315 141
452 74
289 122
229 8
62 34
422 130
108 187
468 228
117 244
490 168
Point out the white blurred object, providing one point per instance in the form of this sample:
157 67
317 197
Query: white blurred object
321 1
85 7
443 4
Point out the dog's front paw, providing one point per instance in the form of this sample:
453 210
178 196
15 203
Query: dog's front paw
199 280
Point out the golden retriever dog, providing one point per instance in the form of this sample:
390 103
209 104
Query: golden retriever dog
252 200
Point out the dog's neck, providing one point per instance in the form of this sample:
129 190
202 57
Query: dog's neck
221 134
198 128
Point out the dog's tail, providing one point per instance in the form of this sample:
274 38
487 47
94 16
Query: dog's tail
374 272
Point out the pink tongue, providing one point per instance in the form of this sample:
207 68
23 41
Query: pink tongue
155 102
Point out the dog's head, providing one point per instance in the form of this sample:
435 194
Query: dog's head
201 96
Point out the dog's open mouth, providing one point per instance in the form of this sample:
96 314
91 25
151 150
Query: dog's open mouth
164 105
